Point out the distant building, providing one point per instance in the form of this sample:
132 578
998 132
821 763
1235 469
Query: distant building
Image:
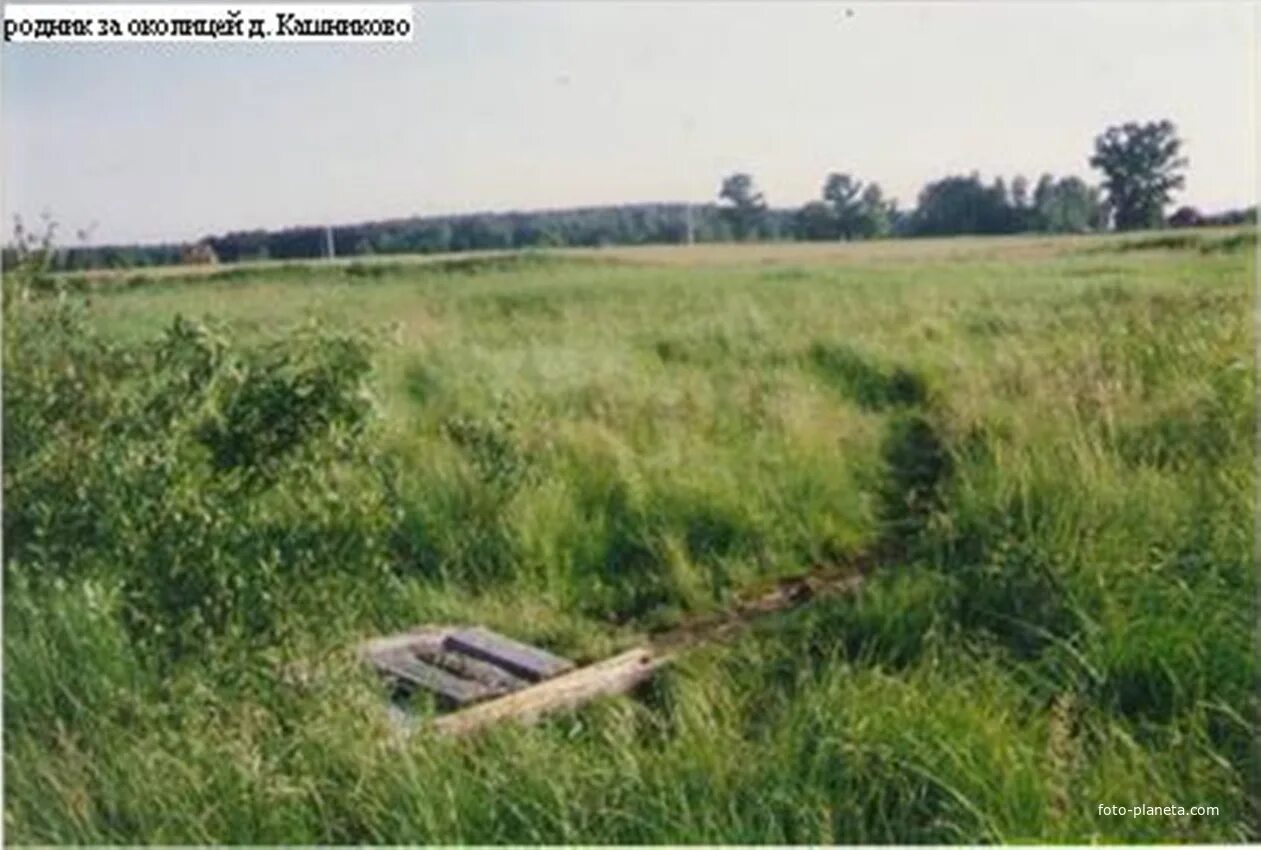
200 254
1186 217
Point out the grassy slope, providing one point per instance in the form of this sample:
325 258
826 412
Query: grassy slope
595 448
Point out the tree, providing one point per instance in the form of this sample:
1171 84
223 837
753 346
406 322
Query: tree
1141 169
1067 206
747 204
874 213
1046 185
1001 215
815 221
1000 191
961 204
1019 192
841 191
1024 213
859 211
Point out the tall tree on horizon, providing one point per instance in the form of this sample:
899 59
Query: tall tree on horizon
1142 168
747 204
875 214
859 209
841 192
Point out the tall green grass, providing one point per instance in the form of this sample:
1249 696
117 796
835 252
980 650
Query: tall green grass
1051 457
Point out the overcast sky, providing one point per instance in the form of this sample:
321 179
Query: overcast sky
520 105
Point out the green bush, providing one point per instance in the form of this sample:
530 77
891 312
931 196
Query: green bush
207 477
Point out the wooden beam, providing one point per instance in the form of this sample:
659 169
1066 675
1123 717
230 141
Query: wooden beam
410 670
430 637
614 675
468 667
519 659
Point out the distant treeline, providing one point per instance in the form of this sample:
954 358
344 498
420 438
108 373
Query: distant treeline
1141 162
627 224
953 205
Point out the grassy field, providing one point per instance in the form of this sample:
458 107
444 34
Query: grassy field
1044 448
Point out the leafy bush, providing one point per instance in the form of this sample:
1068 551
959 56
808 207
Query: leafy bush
279 398
202 474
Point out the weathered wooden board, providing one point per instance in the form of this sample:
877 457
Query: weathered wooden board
425 637
615 675
404 666
468 667
519 659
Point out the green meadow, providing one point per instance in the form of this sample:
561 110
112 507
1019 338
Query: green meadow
1039 450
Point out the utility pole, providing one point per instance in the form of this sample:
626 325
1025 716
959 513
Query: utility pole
691 234
328 242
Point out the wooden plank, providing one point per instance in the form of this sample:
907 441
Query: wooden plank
615 675
426 637
410 670
468 667
519 659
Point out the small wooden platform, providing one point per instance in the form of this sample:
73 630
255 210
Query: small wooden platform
483 678
460 666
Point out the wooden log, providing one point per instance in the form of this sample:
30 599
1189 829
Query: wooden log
519 659
614 675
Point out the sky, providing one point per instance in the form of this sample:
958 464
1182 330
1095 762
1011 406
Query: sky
531 105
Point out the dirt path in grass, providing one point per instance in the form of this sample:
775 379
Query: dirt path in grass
824 581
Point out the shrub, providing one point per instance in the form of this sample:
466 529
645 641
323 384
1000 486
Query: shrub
200 474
